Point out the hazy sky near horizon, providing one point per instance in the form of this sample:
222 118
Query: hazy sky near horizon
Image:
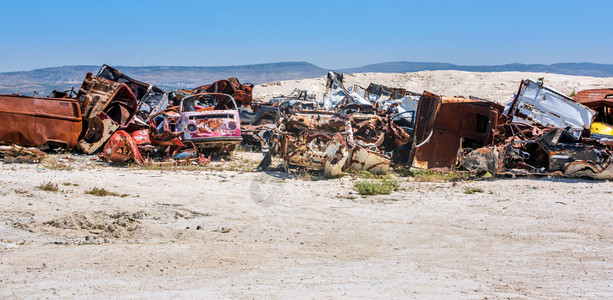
330 34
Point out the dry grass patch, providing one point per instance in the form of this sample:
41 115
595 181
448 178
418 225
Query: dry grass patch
48 186
101 192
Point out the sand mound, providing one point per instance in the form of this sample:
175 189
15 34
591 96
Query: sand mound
115 225
495 86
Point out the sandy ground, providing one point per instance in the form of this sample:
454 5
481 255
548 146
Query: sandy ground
273 235
495 86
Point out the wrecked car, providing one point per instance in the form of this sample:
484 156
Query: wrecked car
241 93
106 106
258 128
40 122
601 101
543 133
348 133
336 93
268 112
328 141
535 103
400 104
209 121
535 150
150 98
316 140
446 125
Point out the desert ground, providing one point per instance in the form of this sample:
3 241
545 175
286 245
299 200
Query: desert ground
496 86
225 231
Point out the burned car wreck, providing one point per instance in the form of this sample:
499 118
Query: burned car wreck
124 119
207 121
533 150
445 126
242 93
106 106
334 143
541 132
600 101
343 133
150 98
547 134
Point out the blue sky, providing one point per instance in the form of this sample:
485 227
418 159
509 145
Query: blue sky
330 34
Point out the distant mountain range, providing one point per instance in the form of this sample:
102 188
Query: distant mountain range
579 69
175 77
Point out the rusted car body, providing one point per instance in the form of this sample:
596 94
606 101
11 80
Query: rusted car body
320 139
547 137
537 104
106 106
348 133
242 93
378 132
445 125
301 133
121 147
258 122
150 98
601 101
317 150
556 151
329 151
534 150
400 104
209 121
36 122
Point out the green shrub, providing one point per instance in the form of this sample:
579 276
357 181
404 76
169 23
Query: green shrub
472 190
376 187
429 175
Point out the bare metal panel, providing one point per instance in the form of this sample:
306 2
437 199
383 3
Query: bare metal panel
540 105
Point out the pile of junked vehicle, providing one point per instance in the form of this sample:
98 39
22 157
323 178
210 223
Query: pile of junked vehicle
125 119
540 131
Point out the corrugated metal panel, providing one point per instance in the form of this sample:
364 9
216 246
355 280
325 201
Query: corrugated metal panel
593 95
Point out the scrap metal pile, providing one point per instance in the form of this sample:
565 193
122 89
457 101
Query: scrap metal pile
541 131
125 119
347 132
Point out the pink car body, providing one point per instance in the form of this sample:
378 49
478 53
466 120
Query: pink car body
208 120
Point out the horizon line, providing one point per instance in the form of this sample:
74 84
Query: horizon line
306 62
